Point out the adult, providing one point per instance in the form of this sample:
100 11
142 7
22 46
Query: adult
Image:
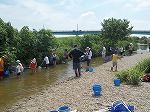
33 65
130 49
46 60
75 55
103 53
2 60
89 56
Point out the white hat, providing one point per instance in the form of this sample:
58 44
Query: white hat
88 48
18 61
34 60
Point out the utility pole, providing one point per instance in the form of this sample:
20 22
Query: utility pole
77 30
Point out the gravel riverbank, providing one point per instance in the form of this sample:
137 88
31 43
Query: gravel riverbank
77 93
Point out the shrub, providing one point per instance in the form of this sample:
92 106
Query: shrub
133 76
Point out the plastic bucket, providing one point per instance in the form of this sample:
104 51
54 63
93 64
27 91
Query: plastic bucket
87 70
64 109
90 69
97 89
117 82
108 58
53 111
24 69
6 73
14 69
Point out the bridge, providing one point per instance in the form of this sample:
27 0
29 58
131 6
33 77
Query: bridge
80 32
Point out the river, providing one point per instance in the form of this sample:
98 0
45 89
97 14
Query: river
12 88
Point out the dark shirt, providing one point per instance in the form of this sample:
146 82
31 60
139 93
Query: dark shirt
76 54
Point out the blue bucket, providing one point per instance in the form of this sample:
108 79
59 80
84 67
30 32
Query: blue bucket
90 69
24 69
6 73
117 82
108 58
97 89
53 111
64 109
87 70
14 69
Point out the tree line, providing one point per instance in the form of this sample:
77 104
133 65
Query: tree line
27 44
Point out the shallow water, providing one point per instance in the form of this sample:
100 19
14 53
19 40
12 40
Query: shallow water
12 88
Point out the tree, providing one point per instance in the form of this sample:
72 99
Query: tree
115 29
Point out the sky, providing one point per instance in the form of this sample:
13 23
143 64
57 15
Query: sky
61 15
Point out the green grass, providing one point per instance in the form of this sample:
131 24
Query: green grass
133 76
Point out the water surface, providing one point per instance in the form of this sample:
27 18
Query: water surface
12 89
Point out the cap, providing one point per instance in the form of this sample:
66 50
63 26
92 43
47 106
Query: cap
18 61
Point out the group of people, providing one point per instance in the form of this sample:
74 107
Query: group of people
74 54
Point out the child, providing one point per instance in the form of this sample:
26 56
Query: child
54 58
65 56
19 68
33 65
115 58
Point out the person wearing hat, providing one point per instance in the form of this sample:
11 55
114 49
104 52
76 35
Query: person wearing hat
54 58
89 55
33 65
103 53
2 60
75 55
130 49
19 68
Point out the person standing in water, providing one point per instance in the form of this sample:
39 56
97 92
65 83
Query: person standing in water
46 60
75 55
19 68
33 65
2 59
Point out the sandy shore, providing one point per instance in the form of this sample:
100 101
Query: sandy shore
77 93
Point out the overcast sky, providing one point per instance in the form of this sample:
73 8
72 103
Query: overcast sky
66 14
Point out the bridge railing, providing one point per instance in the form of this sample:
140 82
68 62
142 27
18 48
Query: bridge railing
82 32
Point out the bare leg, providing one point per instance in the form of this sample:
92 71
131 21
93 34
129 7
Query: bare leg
116 68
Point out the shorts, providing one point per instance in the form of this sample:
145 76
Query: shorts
19 73
114 64
76 65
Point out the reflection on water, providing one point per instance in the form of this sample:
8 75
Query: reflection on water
12 88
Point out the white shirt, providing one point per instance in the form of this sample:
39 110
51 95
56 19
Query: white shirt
89 53
19 68
46 60
104 50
